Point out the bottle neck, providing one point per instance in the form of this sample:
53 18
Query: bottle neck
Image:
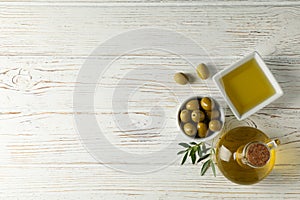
253 155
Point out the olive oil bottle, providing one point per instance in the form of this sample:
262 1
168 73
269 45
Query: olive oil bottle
228 151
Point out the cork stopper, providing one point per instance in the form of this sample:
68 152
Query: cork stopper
257 154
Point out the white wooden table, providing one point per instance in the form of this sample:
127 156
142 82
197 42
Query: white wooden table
44 44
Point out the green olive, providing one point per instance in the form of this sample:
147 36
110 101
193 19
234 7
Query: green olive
215 114
207 103
185 115
212 114
198 116
208 114
202 129
215 125
193 105
202 71
181 78
190 129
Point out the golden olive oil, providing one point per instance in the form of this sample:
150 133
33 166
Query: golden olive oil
247 86
233 141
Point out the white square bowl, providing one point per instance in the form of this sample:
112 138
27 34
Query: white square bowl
217 78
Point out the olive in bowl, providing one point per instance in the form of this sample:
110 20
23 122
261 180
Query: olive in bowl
200 118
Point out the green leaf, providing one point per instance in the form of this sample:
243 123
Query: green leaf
205 167
181 152
213 151
193 157
193 143
213 167
184 158
192 152
203 146
200 151
195 149
184 145
203 157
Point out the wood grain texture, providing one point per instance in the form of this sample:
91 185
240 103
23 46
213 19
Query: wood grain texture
149 2
43 45
42 30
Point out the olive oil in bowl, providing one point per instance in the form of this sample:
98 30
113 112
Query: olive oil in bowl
247 86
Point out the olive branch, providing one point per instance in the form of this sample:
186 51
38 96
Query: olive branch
197 153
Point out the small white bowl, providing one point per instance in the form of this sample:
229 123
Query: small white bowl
211 136
217 78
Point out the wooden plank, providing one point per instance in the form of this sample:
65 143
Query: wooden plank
148 3
52 139
176 182
40 30
46 84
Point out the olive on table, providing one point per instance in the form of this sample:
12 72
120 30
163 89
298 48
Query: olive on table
215 125
192 105
181 78
185 115
198 116
189 129
202 71
207 103
202 129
